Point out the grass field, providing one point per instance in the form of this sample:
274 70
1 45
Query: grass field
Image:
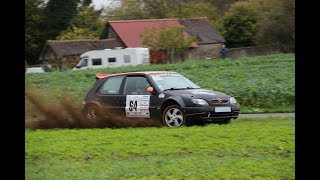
260 84
247 148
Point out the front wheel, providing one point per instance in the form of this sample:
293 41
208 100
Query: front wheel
173 116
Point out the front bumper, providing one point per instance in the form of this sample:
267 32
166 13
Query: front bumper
208 113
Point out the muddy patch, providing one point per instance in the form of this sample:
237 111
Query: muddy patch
65 112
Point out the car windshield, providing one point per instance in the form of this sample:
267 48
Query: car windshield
172 81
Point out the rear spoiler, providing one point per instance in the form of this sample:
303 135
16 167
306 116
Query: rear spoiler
100 76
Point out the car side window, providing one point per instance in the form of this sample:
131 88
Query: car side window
136 85
111 85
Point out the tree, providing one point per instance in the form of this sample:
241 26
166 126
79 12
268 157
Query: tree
277 25
125 10
74 33
58 14
196 9
87 24
33 34
239 24
86 3
167 39
159 9
223 5
260 22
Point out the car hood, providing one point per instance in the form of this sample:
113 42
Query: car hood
197 93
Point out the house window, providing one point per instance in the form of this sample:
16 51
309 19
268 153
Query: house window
112 59
126 58
96 62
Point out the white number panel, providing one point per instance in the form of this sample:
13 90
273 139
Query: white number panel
137 105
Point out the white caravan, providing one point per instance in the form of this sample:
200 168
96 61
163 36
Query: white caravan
109 58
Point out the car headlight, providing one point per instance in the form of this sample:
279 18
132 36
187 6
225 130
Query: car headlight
200 102
232 100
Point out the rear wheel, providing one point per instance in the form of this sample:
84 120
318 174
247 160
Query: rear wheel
91 115
173 116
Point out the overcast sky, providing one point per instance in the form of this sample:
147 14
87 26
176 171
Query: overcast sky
100 3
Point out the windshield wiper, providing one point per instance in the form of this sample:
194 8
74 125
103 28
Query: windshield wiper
173 89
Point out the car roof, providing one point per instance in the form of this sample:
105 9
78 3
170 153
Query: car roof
99 76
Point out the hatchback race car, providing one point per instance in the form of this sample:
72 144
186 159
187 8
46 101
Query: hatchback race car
158 95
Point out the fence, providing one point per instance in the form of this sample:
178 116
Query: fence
252 51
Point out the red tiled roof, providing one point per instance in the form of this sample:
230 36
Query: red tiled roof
129 30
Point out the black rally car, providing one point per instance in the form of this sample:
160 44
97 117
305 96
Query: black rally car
159 95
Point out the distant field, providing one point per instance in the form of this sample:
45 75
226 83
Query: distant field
248 148
260 84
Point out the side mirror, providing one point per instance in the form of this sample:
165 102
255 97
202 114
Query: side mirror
150 89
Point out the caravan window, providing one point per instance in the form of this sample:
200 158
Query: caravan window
113 59
96 61
126 58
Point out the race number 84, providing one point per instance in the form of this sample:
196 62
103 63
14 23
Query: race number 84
133 105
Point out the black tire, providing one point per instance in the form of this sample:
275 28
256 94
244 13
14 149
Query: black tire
91 116
173 116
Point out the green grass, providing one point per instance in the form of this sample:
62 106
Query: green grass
247 148
260 84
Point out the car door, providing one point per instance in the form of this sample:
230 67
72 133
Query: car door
136 99
109 95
